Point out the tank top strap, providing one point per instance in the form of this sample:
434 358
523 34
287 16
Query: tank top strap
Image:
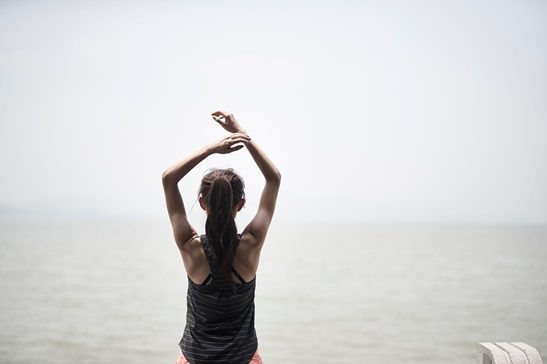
238 275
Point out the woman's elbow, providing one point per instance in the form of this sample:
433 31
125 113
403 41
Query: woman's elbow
276 177
165 176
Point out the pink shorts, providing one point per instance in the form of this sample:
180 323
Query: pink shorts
256 359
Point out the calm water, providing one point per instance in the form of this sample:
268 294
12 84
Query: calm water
113 291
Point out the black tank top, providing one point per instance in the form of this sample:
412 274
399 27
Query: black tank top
219 318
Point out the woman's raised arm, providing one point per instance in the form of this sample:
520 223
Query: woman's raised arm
258 227
182 230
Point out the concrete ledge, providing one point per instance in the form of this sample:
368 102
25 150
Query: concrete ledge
508 353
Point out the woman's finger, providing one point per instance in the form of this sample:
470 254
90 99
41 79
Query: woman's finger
241 136
220 113
218 120
238 140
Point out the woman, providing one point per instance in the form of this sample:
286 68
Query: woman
221 264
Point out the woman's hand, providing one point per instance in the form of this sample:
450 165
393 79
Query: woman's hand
226 144
227 121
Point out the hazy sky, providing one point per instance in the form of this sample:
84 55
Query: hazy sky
380 110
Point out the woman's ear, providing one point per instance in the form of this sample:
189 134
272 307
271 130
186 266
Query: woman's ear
202 203
240 204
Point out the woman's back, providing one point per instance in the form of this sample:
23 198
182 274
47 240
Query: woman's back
220 317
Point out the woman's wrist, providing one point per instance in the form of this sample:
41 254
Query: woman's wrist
240 130
208 150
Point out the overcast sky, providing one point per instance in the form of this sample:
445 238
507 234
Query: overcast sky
428 111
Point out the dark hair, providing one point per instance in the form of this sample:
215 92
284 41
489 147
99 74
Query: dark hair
222 190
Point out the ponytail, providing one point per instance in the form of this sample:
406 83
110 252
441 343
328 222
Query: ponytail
220 226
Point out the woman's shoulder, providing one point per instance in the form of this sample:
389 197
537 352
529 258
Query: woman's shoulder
193 245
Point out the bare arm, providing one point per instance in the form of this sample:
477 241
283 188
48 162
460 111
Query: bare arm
258 227
182 230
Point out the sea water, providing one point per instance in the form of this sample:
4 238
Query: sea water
114 291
